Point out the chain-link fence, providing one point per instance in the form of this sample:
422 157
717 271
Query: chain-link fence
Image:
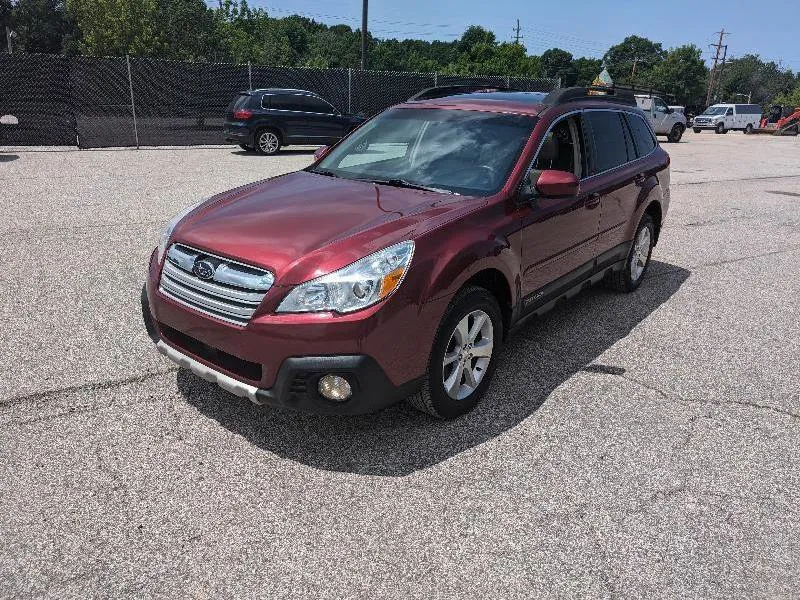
101 102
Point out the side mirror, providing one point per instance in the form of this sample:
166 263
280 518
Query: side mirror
557 184
320 152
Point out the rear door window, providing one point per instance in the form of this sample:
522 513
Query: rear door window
284 102
313 104
609 140
642 136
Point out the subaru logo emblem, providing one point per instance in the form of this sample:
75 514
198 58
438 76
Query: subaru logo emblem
203 269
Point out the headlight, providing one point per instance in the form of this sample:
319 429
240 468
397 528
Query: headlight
354 287
162 244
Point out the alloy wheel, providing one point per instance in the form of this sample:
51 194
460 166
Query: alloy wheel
468 355
268 142
640 254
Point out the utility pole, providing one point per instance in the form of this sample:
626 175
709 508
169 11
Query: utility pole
517 36
8 38
364 34
713 75
721 71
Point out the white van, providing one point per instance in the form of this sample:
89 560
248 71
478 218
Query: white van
664 119
724 117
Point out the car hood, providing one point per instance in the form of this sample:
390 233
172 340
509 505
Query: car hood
303 225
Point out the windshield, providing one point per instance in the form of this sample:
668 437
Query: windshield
452 151
715 110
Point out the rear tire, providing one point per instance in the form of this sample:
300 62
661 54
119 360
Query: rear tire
456 380
631 275
268 142
675 134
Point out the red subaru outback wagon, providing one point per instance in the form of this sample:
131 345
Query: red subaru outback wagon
396 264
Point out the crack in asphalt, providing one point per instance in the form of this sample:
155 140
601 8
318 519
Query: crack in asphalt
734 180
95 385
720 403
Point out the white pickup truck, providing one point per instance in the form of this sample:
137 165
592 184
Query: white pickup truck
665 120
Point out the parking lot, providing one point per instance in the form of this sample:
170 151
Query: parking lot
630 446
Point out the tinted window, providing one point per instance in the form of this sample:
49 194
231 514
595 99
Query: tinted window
284 102
629 147
641 135
609 140
312 104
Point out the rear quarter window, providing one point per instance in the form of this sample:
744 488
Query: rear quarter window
642 136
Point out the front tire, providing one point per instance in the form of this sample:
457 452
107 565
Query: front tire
720 128
464 356
696 129
675 134
749 129
268 142
638 261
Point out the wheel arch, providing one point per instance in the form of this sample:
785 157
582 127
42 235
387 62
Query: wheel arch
268 126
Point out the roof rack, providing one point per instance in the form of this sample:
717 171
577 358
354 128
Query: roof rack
441 91
562 95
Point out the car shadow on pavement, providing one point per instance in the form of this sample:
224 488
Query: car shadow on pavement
283 151
8 157
537 358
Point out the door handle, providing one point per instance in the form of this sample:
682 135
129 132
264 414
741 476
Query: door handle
593 201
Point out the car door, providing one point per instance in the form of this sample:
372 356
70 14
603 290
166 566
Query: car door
661 116
730 119
558 234
286 113
614 175
321 124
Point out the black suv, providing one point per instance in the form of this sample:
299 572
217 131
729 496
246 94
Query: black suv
265 120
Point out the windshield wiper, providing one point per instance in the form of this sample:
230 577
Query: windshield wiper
408 184
324 172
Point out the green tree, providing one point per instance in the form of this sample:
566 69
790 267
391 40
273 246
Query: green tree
586 69
791 99
116 27
749 75
40 26
185 30
558 63
682 74
633 50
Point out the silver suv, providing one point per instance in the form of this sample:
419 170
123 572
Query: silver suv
665 120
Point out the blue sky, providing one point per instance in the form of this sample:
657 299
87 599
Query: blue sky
581 26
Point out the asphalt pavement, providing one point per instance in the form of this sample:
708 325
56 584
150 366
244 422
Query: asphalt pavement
630 446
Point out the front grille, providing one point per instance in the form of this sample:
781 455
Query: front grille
233 364
700 121
228 290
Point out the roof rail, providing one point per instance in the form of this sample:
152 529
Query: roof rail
441 91
562 95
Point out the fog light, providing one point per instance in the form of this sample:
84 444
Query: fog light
334 388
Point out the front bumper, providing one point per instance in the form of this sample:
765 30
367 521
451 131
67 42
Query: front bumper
278 360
